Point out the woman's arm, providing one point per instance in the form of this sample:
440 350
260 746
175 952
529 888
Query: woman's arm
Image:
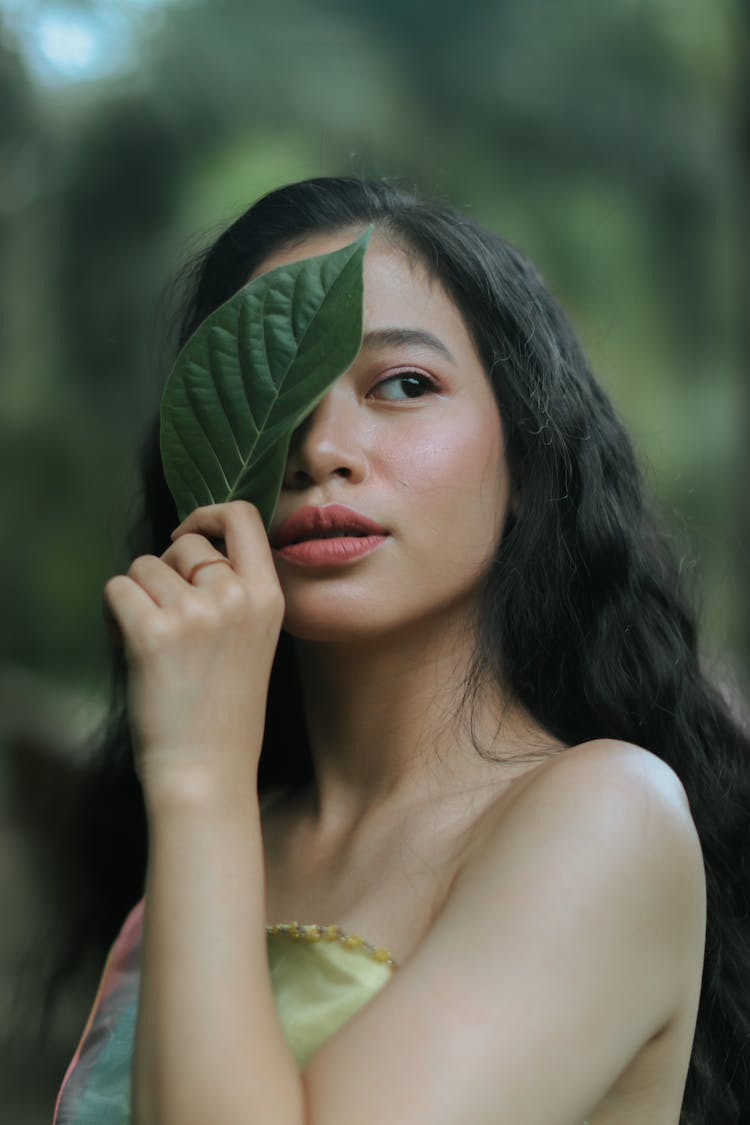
210 1049
200 639
566 943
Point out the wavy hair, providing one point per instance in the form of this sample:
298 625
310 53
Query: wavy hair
583 618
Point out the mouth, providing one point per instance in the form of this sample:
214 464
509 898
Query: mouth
331 521
331 550
339 533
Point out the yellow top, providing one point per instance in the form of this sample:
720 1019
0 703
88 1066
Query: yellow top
321 976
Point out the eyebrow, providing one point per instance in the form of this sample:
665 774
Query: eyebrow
399 337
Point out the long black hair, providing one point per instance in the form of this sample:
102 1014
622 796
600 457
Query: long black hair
583 618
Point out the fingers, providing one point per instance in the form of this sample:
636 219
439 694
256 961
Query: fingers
193 558
161 582
240 525
201 565
164 581
127 603
193 563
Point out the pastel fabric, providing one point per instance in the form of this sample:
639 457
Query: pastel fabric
319 982
318 985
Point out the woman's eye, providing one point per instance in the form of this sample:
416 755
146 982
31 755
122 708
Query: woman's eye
405 385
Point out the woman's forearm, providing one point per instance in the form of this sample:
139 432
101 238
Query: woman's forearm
209 1047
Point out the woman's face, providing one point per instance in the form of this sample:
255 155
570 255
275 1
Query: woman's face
410 437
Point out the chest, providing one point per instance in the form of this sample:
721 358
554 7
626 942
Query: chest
388 891
386 883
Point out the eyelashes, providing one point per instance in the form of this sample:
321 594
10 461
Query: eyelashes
414 384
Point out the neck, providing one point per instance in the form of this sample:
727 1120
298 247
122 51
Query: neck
387 727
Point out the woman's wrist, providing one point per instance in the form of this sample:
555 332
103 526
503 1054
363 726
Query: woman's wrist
193 790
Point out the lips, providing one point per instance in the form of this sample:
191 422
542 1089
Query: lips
323 523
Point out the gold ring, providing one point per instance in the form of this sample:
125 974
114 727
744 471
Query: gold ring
206 562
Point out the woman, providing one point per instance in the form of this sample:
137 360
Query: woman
478 736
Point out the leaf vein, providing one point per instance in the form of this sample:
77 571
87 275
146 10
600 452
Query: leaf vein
206 435
178 471
275 396
246 369
220 395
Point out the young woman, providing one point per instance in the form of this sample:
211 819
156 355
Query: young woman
445 824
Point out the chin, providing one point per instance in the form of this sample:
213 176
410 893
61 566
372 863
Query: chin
340 619
332 629
340 616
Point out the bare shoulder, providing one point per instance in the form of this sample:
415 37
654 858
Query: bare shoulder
606 774
562 948
612 816
645 769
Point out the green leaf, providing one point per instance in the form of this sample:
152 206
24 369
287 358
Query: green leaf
252 372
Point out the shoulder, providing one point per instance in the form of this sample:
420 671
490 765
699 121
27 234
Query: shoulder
603 776
566 943
617 794
601 832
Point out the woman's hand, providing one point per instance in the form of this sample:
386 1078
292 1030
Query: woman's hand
200 641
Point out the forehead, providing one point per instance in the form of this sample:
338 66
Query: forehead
322 242
398 290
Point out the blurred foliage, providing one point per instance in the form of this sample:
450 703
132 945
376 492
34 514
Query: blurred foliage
605 140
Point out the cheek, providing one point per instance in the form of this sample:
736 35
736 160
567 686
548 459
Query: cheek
457 473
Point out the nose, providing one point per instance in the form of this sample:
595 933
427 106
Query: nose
328 443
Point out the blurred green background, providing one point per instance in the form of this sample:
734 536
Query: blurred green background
610 141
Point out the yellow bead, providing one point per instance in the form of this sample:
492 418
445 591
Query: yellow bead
311 933
330 933
352 941
381 954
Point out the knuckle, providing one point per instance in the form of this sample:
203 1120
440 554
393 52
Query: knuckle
232 598
258 602
157 635
182 546
197 614
243 506
141 563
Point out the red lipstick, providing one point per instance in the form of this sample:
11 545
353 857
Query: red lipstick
327 536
